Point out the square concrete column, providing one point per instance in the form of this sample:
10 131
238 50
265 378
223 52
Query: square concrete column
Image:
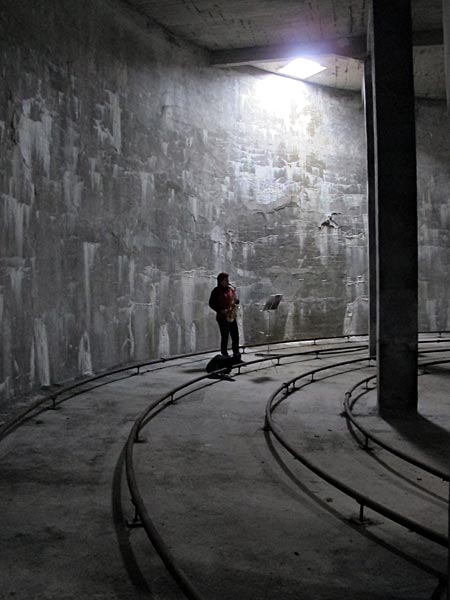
368 111
446 29
396 205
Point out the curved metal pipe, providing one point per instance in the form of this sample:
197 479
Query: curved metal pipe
371 436
152 532
160 546
362 499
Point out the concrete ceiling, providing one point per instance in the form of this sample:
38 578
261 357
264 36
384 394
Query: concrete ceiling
267 33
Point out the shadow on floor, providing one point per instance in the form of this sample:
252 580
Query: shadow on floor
427 437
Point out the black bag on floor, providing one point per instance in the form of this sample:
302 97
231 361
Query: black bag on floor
221 362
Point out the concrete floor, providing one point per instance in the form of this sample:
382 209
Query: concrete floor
242 517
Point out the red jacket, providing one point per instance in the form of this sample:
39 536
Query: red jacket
222 299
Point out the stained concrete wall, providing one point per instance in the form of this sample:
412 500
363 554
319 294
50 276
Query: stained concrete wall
433 157
131 173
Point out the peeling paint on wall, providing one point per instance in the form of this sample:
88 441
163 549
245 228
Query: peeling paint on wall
16 220
41 355
116 135
164 341
84 356
35 130
89 250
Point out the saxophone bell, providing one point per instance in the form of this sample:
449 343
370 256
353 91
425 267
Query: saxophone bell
233 305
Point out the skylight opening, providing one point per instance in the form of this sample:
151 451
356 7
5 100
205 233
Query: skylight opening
302 68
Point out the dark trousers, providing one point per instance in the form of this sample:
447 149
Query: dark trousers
228 329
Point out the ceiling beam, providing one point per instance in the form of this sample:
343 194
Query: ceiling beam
349 47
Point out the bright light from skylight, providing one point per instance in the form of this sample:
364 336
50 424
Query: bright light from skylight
302 68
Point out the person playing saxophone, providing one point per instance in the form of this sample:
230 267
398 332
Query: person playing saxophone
224 302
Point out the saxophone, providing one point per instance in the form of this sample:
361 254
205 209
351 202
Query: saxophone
232 306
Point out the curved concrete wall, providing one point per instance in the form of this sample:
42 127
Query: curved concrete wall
132 173
433 158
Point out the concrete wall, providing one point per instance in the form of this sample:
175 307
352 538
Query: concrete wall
433 158
131 173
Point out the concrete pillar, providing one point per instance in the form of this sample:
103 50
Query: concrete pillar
446 29
368 110
396 206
